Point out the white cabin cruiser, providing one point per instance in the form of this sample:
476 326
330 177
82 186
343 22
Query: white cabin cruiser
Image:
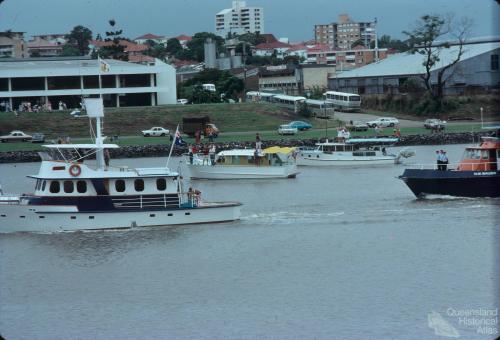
273 162
71 195
361 151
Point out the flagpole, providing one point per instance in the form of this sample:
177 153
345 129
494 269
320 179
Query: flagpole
172 146
100 80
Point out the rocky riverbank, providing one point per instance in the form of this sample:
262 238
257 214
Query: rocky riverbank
162 150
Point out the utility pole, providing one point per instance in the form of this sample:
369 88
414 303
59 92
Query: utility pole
376 41
244 70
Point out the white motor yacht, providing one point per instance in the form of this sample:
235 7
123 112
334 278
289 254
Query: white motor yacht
273 162
361 151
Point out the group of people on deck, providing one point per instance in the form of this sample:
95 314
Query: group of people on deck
208 153
442 160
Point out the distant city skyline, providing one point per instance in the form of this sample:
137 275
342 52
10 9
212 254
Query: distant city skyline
284 18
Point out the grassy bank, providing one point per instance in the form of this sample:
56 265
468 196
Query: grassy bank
131 120
238 122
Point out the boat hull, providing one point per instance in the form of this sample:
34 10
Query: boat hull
241 172
321 159
424 182
29 218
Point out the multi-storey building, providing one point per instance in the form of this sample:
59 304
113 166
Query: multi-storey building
46 82
344 59
12 45
46 45
239 19
344 33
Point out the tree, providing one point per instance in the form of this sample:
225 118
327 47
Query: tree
115 50
424 40
156 50
69 51
79 38
315 92
385 41
173 46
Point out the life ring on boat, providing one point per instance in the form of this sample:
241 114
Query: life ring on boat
75 170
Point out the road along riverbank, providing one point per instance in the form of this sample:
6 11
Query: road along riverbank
135 151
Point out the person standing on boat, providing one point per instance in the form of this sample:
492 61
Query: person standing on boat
190 154
197 136
444 160
107 157
212 152
258 142
438 160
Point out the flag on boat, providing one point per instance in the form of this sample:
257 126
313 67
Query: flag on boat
103 66
178 139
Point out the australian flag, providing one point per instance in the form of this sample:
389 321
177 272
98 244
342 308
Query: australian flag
178 139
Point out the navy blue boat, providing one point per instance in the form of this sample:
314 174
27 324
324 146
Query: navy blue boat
477 175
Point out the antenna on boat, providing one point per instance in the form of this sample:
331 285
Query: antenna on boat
95 109
482 123
172 146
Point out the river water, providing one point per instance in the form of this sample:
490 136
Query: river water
343 253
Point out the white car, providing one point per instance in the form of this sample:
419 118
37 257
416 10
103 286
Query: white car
287 130
155 132
435 124
383 122
15 136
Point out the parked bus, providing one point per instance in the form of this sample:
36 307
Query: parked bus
344 101
209 87
255 96
320 108
289 102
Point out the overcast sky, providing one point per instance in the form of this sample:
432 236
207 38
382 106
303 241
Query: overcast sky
285 18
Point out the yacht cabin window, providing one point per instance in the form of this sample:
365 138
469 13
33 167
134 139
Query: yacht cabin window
55 187
139 185
69 187
161 184
81 187
120 185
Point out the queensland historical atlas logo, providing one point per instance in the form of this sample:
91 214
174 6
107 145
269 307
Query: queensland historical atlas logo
480 320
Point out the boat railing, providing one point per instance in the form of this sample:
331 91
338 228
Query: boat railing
480 166
6 198
190 199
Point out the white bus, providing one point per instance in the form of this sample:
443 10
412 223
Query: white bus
344 101
320 108
290 102
209 87
255 96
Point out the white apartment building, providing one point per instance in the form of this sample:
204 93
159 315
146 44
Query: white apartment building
239 19
68 80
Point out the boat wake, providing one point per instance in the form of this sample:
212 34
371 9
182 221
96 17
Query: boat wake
286 217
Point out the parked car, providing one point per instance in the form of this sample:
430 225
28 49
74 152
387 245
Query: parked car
38 138
383 122
155 132
300 125
286 129
435 124
357 126
15 136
